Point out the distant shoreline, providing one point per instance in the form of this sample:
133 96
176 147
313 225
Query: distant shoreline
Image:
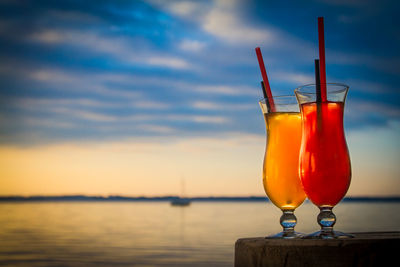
83 198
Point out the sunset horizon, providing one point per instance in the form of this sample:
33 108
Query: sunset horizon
131 97
199 133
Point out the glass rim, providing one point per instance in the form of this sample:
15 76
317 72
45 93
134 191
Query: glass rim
345 87
264 100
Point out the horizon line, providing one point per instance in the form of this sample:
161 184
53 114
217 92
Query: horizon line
78 197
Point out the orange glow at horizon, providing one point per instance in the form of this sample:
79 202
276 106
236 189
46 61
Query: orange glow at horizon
220 166
132 168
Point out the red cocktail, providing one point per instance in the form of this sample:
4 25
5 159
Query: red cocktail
325 169
324 162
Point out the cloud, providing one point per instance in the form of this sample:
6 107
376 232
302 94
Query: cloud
184 8
296 78
28 102
28 121
220 19
206 119
159 129
192 45
346 3
193 10
224 23
230 90
359 108
84 114
120 48
171 62
99 84
70 110
208 105
147 104
61 80
372 87
48 37
72 16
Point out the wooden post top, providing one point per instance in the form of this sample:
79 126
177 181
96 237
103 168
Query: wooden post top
365 249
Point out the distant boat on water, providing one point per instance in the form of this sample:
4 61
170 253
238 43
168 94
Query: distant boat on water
181 201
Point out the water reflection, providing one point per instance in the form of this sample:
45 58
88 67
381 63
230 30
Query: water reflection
148 234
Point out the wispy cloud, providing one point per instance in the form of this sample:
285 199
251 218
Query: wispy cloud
209 105
220 19
98 83
198 118
171 62
148 104
77 111
84 114
223 22
159 129
122 48
184 8
31 121
346 3
296 78
72 16
78 82
28 102
371 87
231 90
362 108
192 45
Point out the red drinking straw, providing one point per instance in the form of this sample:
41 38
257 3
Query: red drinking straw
265 79
322 71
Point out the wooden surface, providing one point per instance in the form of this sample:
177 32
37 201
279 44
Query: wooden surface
365 249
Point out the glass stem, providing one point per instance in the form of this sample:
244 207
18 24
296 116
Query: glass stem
288 221
326 219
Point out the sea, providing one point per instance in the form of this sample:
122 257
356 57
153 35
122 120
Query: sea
101 233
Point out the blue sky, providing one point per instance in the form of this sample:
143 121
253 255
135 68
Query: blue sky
110 69
100 71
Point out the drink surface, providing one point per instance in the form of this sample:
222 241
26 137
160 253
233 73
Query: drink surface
325 169
280 176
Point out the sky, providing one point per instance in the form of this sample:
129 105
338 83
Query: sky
132 97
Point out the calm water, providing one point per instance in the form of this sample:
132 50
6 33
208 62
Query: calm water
156 234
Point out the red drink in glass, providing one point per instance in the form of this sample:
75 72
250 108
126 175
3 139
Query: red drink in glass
325 169
324 161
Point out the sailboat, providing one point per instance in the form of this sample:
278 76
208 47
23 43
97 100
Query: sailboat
181 201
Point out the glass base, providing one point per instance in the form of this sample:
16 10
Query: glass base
328 235
288 221
286 235
327 219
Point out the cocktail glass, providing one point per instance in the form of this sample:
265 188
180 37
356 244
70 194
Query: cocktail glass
324 164
280 171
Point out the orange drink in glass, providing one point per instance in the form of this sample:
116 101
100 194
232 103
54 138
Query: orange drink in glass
280 169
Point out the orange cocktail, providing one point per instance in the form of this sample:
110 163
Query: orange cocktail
280 171
280 175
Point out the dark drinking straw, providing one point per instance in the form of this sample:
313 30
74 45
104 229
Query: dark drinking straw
265 96
265 79
317 82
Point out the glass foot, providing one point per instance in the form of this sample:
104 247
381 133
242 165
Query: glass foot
288 221
328 235
327 219
286 235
